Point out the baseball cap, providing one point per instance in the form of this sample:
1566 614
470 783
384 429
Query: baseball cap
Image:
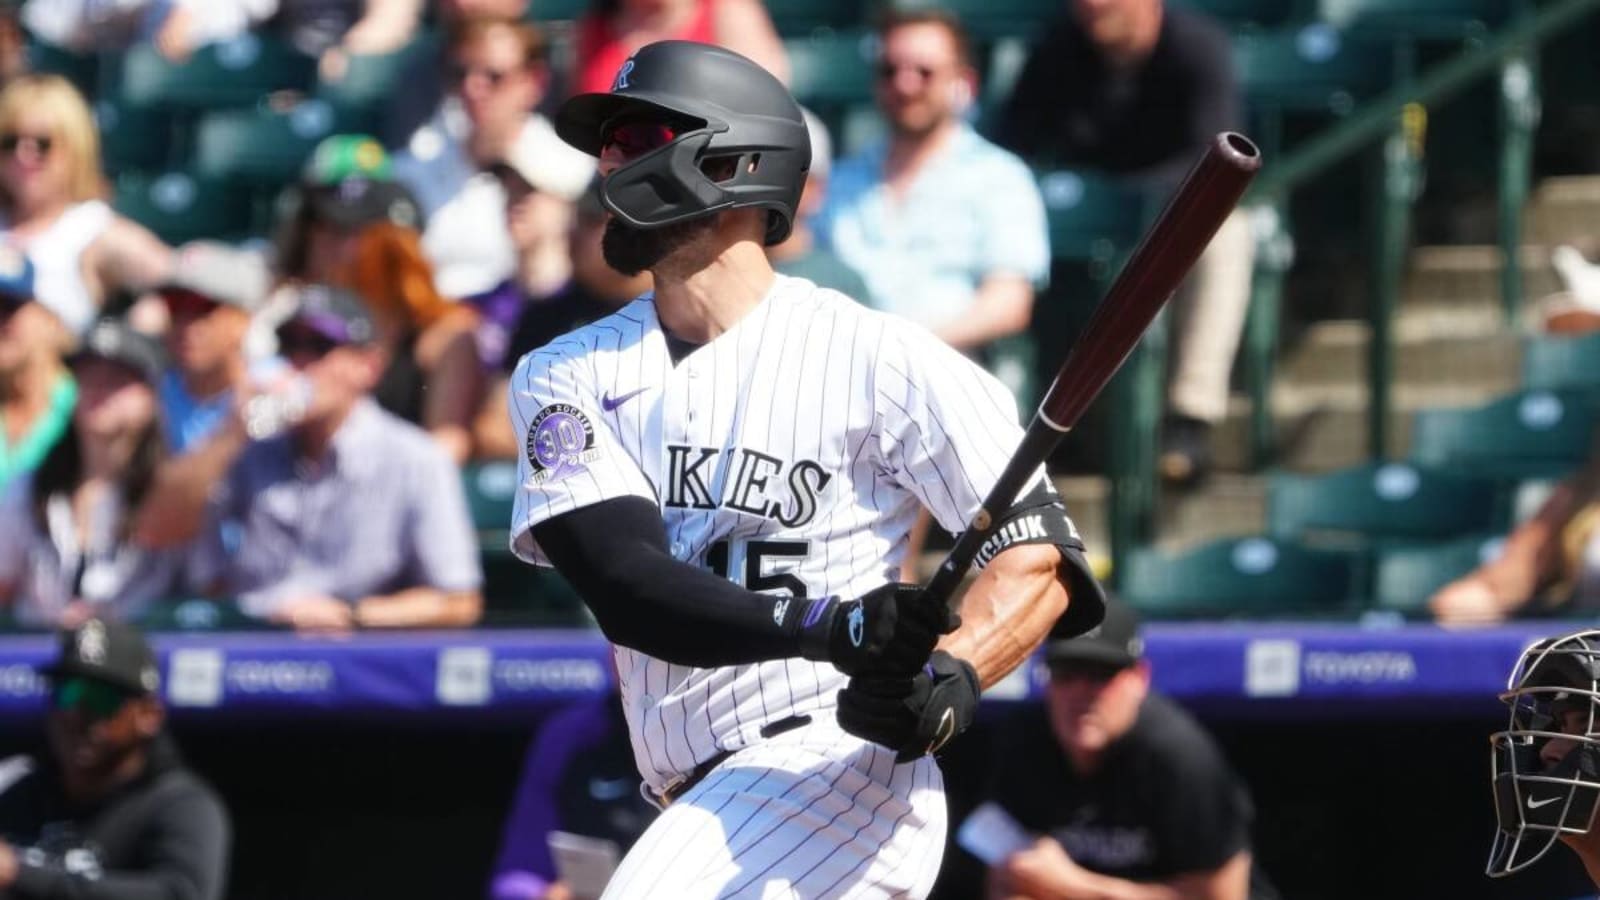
1115 641
220 273
334 313
356 201
343 156
16 276
114 340
547 163
106 651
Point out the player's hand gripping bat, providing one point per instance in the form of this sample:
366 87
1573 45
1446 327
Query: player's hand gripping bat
1165 255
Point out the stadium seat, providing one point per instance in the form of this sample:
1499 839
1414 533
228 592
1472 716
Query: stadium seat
1256 577
1248 14
1405 576
1091 217
133 138
1553 363
1532 434
260 146
360 96
832 70
1382 501
82 69
491 487
178 207
1424 19
986 20
197 614
1313 68
798 18
557 10
238 72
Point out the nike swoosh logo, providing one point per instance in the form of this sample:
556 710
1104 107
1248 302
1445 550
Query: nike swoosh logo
609 403
1535 804
944 732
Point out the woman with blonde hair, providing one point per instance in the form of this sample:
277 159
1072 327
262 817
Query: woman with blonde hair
52 204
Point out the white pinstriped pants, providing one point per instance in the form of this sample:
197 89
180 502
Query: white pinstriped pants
812 813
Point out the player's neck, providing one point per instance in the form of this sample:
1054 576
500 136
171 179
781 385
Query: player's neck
698 306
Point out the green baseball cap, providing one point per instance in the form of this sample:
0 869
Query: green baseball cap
343 156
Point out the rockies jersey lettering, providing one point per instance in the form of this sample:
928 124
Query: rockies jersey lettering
791 454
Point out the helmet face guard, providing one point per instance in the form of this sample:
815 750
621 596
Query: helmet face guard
1536 801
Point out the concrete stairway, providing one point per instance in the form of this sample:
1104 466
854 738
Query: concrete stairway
1453 348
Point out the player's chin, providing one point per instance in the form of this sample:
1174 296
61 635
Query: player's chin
632 250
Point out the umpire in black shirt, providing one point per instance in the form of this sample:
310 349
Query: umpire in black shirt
111 814
1130 797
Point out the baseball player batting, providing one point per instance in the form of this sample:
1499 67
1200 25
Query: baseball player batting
728 469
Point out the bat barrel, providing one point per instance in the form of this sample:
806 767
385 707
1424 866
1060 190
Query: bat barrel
1155 269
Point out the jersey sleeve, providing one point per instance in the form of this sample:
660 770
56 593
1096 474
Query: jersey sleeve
947 427
570 457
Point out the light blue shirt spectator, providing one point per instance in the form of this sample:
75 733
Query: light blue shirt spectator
971 212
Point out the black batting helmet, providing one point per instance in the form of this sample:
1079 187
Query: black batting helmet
723 107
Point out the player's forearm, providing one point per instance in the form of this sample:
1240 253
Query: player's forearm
1008 610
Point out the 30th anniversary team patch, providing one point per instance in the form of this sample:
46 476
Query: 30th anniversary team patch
560 443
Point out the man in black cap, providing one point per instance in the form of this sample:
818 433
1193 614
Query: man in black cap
338 514
1130 797
112 814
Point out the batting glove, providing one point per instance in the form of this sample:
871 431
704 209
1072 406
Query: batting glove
913 717
888 631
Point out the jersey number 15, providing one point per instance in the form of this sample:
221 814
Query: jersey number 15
758 559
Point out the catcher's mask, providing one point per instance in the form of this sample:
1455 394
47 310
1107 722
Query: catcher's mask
712 105
1546 765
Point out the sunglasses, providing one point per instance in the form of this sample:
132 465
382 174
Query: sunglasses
188 304
303 343
887 70
458 74
1099 673
38 144
95 699
638 138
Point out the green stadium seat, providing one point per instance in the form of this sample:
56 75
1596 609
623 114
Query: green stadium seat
133 138
1313 68
1381 501
1424 19
178 207
1254 577
1091 217
557 10
82 69
1247 14
832 70
1532 434
197 614
1405 576
260 146
798 18
360 96
1553 363
238 72
986 20
491 487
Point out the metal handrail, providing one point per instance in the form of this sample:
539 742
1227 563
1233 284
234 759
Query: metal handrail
1375 119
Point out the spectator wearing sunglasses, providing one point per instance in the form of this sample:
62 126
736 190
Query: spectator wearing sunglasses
1120 786
351 517
111 812
37 392
52 204
65 530
499 74
947 229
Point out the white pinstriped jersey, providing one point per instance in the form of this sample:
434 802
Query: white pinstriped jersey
791 454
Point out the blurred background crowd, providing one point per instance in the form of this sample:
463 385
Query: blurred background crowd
266 267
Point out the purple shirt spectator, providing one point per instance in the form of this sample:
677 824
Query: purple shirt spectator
579 777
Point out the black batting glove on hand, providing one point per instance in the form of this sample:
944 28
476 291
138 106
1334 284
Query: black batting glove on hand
888 631
913 717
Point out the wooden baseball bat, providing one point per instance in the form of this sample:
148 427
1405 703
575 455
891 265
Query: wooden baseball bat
1168 250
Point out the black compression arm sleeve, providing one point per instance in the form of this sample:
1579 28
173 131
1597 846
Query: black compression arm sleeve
615 554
